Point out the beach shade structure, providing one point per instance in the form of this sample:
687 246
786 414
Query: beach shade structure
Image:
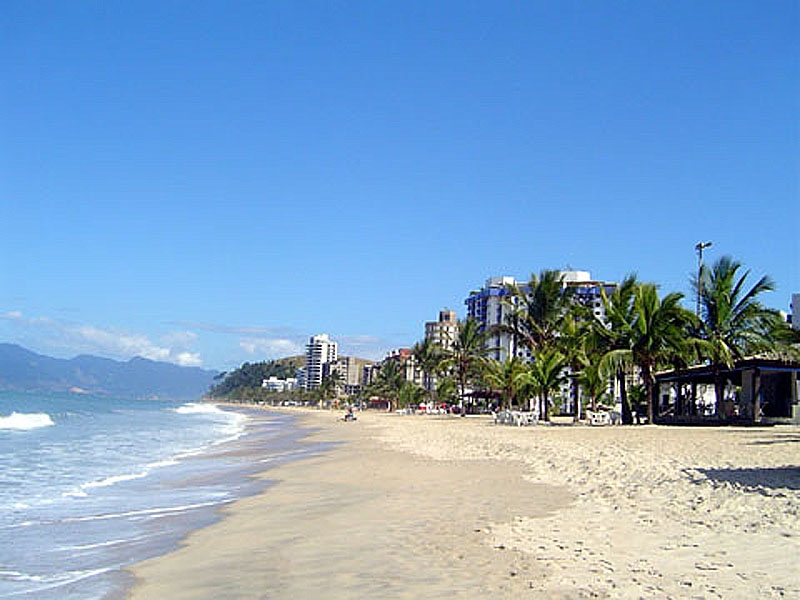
475 400
757 391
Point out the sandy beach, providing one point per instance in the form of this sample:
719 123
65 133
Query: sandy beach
433 507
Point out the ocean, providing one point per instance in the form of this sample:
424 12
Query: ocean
90 485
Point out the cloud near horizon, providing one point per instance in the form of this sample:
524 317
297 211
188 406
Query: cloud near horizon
178 346
279 341
271 347
90 339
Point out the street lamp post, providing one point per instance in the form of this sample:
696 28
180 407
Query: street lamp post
700 246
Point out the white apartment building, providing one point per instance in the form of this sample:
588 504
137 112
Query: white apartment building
320 351
273 384
492 305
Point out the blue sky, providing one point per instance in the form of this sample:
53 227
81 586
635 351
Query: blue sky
212 182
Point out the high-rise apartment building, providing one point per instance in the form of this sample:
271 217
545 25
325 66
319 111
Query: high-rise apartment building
795 311
588 291
443 332
489 307
493 304
320 351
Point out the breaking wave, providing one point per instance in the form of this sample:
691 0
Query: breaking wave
194 408
25 421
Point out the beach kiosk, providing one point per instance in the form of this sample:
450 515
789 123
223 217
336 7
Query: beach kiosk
756 391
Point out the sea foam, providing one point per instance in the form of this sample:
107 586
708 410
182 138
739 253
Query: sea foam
25 421
194 408
233 428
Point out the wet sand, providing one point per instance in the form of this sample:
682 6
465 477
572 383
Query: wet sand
362 521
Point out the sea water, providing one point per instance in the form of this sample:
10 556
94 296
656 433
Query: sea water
90 485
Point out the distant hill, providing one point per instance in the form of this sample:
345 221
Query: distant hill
250 375
23 370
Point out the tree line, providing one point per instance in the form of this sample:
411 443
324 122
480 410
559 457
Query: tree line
250 376
558 341
564 342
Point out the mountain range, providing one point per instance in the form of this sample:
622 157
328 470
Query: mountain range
23 370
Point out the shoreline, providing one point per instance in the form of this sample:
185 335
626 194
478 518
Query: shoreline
433 507
359 520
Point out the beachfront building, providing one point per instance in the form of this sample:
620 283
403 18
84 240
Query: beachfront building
404 357
273 384
489 306
320 351
408 365
493 303
588 291
351 373
369 374
441 333
444 331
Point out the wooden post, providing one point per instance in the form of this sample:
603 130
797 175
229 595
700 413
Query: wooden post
756 395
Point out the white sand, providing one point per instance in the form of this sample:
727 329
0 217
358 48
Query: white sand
429 507
659 511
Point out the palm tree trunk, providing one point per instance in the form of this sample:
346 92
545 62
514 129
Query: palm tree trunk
627 415
576 397
648 392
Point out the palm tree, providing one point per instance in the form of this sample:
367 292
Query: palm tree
509 378
546 374
594 382
614 337
537 310
410 394
787 342
390 381
329 387
573 341
659 330
734 323
428 355
446 389
465 359
645 331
